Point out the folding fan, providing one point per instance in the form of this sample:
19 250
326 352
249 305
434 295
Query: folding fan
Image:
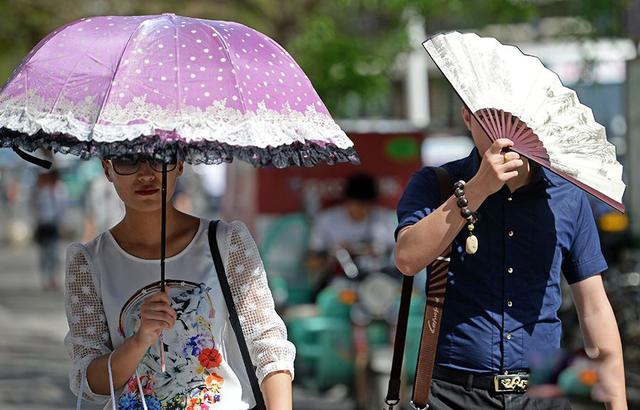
512 95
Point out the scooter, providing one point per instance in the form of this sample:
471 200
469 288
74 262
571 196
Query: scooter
376 288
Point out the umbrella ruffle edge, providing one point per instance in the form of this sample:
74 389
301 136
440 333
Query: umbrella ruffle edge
195 152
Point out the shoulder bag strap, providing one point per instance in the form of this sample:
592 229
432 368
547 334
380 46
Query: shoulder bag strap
393 390
233 316
437 286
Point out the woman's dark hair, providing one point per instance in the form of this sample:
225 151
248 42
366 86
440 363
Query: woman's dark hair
361 187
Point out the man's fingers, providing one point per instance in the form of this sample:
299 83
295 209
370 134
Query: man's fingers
592 352
499 144
511 165
508 175
600 393
510 156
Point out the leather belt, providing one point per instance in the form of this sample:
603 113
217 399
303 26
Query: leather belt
513 382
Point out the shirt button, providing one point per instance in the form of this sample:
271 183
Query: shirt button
510 270
508 336
509 199
509 303
510 233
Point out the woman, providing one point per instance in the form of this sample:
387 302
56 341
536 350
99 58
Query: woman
48 202
116 312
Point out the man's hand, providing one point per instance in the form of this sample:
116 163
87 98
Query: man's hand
602 340
156 315
496 167
606 390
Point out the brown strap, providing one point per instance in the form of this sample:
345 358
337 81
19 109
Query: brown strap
437 287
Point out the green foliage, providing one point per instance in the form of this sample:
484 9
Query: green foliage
346 47
347 50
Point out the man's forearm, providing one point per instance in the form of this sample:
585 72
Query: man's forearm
422 243
600 331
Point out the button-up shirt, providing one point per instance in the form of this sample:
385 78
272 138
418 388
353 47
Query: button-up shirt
502 301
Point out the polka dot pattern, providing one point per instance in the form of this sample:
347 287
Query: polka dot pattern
147 55
110 78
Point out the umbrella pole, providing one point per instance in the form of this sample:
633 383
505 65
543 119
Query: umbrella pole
163 249
163 228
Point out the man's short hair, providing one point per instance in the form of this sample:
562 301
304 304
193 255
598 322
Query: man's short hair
361 187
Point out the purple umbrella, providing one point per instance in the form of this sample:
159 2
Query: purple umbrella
169 87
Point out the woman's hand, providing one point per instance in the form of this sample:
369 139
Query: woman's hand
156 315
497 167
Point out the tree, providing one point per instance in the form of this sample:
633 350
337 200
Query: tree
346 47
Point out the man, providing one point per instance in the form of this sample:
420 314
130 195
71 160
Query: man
357 225
502 301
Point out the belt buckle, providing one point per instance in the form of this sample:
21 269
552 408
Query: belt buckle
510 383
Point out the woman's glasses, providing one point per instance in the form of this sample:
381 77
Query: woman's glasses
131 165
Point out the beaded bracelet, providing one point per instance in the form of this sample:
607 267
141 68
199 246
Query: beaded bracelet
471 245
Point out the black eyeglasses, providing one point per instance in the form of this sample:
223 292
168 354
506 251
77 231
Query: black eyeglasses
131 165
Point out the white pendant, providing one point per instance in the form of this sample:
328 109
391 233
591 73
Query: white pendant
472 244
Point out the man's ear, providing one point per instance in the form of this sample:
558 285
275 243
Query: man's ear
106 168
466 116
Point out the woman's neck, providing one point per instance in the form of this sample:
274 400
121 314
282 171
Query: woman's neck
139 232
146 227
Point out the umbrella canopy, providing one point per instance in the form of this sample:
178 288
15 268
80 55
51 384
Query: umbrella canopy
512 95
167 85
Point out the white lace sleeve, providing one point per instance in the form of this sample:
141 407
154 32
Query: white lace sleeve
264 330
88 335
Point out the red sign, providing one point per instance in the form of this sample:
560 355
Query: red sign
390 158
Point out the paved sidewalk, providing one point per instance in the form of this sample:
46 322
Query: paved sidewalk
33 375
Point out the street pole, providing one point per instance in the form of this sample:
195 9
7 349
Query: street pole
417 76
632 157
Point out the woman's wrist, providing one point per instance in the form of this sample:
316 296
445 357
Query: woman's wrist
139 343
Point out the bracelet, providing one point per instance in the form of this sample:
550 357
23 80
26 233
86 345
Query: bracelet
471 245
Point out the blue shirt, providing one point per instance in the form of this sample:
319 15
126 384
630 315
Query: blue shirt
502 301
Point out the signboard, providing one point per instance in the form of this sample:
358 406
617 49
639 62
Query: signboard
390 158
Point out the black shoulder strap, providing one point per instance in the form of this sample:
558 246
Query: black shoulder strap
444 184
393 390
233 316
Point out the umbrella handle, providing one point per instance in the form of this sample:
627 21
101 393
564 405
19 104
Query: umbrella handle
163 363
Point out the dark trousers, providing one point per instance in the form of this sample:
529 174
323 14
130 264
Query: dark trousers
450 396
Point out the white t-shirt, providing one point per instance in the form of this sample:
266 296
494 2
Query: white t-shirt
106 285
334 227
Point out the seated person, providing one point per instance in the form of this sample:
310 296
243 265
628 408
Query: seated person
357 225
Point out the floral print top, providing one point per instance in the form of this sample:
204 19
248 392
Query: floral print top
105 287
